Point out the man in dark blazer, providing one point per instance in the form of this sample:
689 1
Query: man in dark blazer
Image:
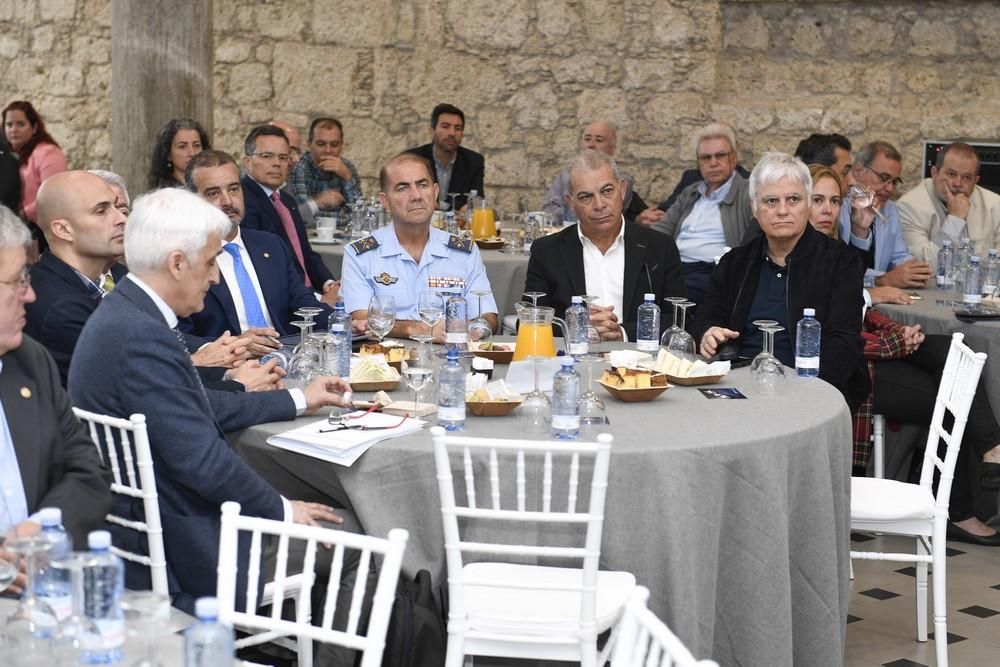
48 460
270 209
275 290
455 169
148 371
603 255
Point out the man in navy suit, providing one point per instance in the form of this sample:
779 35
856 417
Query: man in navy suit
456 169
260 285
46 457
270 209
171 242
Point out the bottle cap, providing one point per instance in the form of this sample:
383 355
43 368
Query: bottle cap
974 258
50 516
649 296
339 305
453 355
99 540
206 608
809 312
946 243
577 299
337 328
566 361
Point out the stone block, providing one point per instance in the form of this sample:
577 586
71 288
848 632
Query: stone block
90 49
65 80
585 68
321 83
674 28
558 20
250 82
381 23
847 123
604 22
264 53
43 39
56 10
603 103
805 35
232 50
512 167
494 127
285 20
9 47
746 30
865 36
800 120
933 38
487 24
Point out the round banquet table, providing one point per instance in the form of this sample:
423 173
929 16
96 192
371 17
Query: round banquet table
734 513
506 271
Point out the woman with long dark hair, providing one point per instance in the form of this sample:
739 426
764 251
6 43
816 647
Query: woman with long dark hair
38 153
176 143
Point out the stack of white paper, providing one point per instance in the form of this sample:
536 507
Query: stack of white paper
343 446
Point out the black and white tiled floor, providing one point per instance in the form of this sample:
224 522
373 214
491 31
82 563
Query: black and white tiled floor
882 622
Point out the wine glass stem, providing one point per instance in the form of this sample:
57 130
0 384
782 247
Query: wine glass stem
29 585
769 341
536 376
676 308
683 312
76 578
590 375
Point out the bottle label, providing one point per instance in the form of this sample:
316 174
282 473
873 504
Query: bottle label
451 414
941 281
61 605
647 345
456 337
811 363
566 422
579 348
111 635
972 298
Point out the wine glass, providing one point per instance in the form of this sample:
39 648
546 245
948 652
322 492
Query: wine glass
381 315
536 408
673 328
767 371
534 296
146 612
304 327
591 406
32 624
480 330
680 343
417 377
77 628
454 195
430 307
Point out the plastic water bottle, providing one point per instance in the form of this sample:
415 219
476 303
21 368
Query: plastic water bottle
991 273
208 643
456 322
341 350
103 583
52 584
647 330
339 316
946 257
566 401
451 393
972 287
577 319
530 232
807 339
451 223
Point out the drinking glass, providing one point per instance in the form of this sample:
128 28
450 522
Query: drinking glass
863 198
591 406
417 377
32 624
534 296
767 371
304 327
74 631
673 328
8 570
681 343
536 408
381 315
146 613
453 196
480 330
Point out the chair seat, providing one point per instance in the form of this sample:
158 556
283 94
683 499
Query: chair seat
539 612
889 500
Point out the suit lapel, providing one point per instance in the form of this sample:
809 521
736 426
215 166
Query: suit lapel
573 256
264 266
634 284
221 294
19 393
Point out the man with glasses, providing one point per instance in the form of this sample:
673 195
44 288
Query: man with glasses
875 230
267 161
46 457
949 206
710 215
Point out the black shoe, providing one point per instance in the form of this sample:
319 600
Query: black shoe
989 475
961 535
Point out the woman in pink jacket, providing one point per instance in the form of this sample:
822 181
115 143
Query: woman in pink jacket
39 154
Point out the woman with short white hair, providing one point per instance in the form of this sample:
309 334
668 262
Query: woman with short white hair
775 276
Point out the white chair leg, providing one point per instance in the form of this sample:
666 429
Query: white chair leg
588 654
940 602
922 592
878 445
455 653
305 652
851 563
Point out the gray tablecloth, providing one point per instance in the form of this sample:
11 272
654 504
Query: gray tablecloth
506 272
733 512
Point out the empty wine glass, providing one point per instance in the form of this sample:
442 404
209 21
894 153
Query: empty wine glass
381 315
767 371
536 408
146 613
680 343
591 406
454 196
304 327
673 328
534 296
417 377
31 626
76 629
480 330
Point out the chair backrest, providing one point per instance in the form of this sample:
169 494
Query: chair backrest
372 643
644 640
521 508
955 393
124 447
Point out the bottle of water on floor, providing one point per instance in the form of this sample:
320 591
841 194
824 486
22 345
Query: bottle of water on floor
577 318
946 257
807 340
208 643
972 292
647 329
566 401
451 394
103 583
52 584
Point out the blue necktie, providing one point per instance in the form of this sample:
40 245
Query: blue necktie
251 304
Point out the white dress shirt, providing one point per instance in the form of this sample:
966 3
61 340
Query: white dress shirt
605 272
701 237
11 484
225 262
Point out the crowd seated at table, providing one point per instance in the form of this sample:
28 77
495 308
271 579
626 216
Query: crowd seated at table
135 316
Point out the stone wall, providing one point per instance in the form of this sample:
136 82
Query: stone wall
529 73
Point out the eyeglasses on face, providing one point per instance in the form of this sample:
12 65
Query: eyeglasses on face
885 178
21 283
709 157
283 158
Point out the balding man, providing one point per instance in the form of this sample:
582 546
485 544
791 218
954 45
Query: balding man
294 140
598 136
